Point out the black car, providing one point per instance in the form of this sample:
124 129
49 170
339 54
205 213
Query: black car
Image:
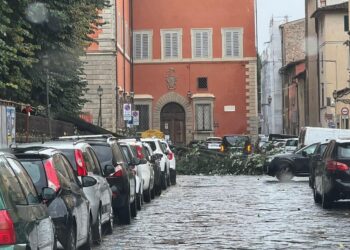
332 174
24 218
285 166
314 160
70 208
122 181
236 143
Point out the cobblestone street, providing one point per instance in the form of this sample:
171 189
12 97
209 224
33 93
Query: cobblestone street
243 212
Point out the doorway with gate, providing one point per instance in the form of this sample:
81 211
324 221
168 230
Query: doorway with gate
173 122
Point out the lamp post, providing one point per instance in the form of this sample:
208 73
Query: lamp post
45 59
100 93
266 115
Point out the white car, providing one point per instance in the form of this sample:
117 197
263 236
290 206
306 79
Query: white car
144 168
157 148
172 161
291 145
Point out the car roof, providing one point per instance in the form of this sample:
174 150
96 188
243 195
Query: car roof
67 144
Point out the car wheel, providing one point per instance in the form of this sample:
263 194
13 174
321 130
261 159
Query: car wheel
168 180
147 194
317 196
326 199
173 176
138 201
97 229
124 213
71 243
110 224
153 192
134 208
164 181
285 173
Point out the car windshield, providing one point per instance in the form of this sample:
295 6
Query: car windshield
236 141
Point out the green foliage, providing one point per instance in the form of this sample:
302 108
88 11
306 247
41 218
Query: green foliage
197 161
56 29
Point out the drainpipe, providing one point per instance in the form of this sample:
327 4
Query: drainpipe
131 18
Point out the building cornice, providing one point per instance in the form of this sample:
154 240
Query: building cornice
190 60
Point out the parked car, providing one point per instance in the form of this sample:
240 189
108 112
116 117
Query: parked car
133 161
154 160
213 143
122 180
172 161
24 218
144 167
69 209
291 145
320 148
84 162
332 173
164 161
237 143
285 166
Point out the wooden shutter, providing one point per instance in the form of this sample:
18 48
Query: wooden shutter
175 45
167 45
205 46
137 46
198 45
228 43
236 46
145 46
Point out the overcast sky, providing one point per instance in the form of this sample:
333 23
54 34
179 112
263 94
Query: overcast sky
294 9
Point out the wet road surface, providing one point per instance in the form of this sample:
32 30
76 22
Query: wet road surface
235 212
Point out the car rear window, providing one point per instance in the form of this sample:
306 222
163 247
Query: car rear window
69 153
236 141
36 171
104 153
292 143
343 150
2 204
152 144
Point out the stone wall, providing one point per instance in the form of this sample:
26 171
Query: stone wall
252 99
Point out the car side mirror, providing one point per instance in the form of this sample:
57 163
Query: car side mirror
318 157
88 181
108 170
48 194
303 153
158 156
167 152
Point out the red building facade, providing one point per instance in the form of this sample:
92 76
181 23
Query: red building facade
195 67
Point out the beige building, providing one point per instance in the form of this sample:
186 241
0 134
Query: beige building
331 29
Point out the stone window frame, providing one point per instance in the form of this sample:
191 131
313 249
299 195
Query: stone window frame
206 99
240 31
146 100
210 43
163 32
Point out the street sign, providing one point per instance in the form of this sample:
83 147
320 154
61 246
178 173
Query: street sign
135 118
127 111
344 111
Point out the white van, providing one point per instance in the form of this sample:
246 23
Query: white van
310 135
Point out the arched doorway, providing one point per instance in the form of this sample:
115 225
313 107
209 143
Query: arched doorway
172 122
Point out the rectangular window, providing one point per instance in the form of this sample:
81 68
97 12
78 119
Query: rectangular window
346 23
142 45
203 117
202 82
171 44
232 42
143 117
202 43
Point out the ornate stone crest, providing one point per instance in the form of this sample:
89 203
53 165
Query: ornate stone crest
171 79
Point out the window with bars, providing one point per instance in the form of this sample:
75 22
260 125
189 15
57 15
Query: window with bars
203 117
171 44
201 43
143 117
202 82
142 45
232 42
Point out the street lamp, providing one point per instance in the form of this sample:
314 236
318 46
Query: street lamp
45 59
100 93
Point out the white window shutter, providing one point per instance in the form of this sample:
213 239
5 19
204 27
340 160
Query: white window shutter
137 47
198 45
236 43
167 45
205 49
145 46
175 45
228 43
